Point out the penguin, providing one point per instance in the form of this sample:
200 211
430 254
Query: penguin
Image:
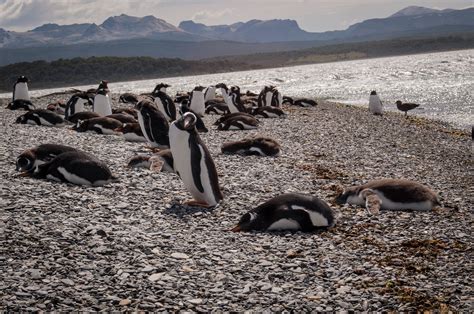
257 146
287 100
390 194
132 132
41 117
268 112
154 124
160 87
240 122
123 117
165 104
305 102
102 103
180 97
30 159
288 212
20 89
235 103
265 96
217 108
77 168
21 104
375 104
83 115
100 125
210 93
232 115
405 107
57 107
276 99
163 160
251 94
76 104
130 111
128 98
193 162
200 126
226 95
197 101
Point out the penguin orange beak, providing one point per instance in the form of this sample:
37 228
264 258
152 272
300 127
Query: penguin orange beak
236 229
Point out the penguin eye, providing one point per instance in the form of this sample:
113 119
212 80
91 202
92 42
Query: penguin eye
23 162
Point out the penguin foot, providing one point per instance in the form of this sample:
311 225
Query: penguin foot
194 203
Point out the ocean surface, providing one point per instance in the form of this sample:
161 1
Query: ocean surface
442 83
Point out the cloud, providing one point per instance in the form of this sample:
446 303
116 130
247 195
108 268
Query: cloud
207 16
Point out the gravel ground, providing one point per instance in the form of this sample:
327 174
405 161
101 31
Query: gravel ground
131 246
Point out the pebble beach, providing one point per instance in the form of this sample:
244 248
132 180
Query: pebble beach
131 245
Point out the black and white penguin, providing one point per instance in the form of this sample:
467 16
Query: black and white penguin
277 98
288 212
123 117
197 102
265 96
163 161
200 126
258 146
226 94
21 104
128 98
77 168
390 194
375 104
268 112
160 87
20 89
76 104
130 111
102 103
100 125
30 159
405 107
132 132
165 104
235 104
83 115
210 93
305 102
239 122
216 108
154 124
41 117
232 115
287 100
193 162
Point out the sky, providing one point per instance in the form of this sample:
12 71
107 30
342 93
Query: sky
311 15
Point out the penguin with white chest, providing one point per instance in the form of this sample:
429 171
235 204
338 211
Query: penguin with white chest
390 194
20 89
193 162
268 112
41 117
76 104
100 125
102 102
197 102
154 124
165 104
257 146
132 132
375 104
30 159
288 212
210 93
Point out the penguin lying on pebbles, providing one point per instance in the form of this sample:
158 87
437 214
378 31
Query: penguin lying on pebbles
123 117
154 124
41 117
232 115
30 159
375 104
239 122
390 194
100 125
268 112
193 162
21 104
129 111
77 168
293 212
76 104
128 98
305 102
405 107
258 146
132 132
81 116
287 100
217 108
163 160
165 104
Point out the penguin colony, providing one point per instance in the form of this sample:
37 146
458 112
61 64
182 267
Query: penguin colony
171 128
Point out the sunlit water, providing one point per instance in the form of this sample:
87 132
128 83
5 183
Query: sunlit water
442 83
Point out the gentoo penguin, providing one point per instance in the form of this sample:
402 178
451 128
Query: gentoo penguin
77 168
100 125
276 99
160 87
217 108
180 97
235 103
390 194
21 104
239 122
102 103
128 98
200 126
196 103
265 96
210 93
405 107
76 104
132 132
226 95
305 102
193 162
293 212
232 115
154 124
375 104
129 111
20 89
41 117
258 146
163 158
81 116
268 112
30 159
123 117
165 104
287 100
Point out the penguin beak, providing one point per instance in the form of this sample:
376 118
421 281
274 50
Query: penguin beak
236 229
120 129
24 174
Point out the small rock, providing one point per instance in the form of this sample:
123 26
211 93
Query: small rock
155 277
179 255
68 282
195 301
125 302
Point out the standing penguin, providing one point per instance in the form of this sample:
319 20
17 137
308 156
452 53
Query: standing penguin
375 104
161 88
154 124
210 93
165 104
102 102
265 96
76 104
20 89
197 103
193 162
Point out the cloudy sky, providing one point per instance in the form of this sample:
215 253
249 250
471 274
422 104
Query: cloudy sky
312 15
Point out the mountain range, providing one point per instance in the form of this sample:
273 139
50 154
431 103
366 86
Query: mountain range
162 39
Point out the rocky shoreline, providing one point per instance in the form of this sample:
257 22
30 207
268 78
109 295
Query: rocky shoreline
130 245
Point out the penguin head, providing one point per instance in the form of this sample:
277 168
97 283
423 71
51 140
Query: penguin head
187 122
22 79
81 125
25 161
21 119
398 102
103 84
373 93
249 221
344 196
199 88
222 85
102 91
